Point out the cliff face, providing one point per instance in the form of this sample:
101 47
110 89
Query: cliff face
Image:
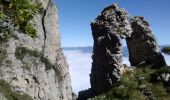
36 66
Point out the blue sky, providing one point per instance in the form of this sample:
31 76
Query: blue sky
75 17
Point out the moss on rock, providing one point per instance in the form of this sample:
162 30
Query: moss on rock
9 94
21 52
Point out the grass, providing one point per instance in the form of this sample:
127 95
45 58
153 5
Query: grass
140 84
6 91
21 52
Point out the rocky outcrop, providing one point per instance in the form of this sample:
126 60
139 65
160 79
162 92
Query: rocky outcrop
142 45
108 29
37 66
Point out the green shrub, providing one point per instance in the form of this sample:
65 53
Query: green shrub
1 15
7 92
30 30
139 85
21 13
20 52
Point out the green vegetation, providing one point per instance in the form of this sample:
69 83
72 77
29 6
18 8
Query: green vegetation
166 50
140 84
6 91
20 13
21 52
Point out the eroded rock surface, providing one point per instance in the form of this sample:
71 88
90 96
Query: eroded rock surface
107 29
142 44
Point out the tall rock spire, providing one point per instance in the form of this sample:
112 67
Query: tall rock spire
107 30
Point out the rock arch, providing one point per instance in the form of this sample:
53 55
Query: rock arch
107 29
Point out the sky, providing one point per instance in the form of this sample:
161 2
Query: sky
75 17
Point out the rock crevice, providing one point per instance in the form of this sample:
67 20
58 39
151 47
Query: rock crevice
43 27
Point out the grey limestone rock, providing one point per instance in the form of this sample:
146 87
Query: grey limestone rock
2 97
142 44
107 30
42 71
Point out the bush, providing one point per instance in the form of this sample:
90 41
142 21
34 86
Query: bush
21 12
30 30
139 85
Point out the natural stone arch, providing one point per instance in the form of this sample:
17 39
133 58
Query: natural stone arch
107 30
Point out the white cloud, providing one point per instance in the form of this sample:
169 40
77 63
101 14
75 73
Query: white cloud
80 66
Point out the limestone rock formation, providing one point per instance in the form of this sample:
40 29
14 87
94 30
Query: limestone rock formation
37 66
107 29
142 44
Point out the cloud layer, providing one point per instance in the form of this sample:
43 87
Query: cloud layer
80 66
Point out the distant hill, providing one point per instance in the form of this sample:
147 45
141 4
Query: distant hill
89 49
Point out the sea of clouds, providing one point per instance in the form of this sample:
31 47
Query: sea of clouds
80 66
